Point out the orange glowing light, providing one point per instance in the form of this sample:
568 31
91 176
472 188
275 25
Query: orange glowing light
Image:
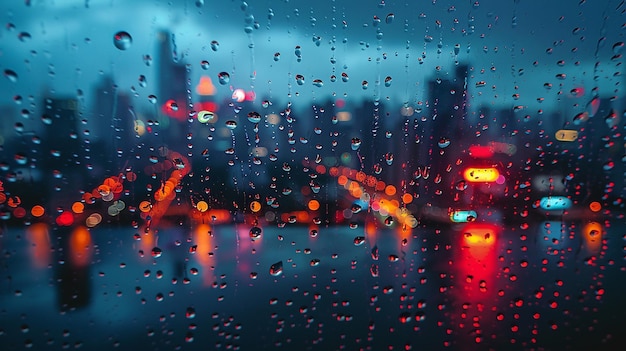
14 201
595 206
145 206
407 198
380 185
592 235
202 206
321 169
78 207
314 205
205 86
334 171
37 211
255 206
360 176
39 237
80 242
390 190
3 198
481 175
342 180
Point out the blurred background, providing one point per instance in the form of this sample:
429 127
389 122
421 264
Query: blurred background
333 175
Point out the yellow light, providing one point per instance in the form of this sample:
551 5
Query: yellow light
566 135
479 234
255 206
481 175
314 205
202 206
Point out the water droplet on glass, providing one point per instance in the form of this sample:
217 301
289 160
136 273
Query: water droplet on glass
10 75
389 221
231 124
254 117
443 143
223 78
390 17
122 40
276 269
299 79
204 64
255 233
359 240
388 80
142 81
156 252
355 144
24 36
215 45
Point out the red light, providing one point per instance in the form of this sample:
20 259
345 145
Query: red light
65 219
205 106
479 151
250 96
174 109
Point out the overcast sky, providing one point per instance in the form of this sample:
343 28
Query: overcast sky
73 39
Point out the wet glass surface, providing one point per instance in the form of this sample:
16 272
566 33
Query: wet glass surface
280 175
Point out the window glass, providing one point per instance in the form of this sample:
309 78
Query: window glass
321 175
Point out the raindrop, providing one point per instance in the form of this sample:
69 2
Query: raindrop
276 269
11 75
299 79
204 64
223 78
389 19
355 144
389 221
142 81
24 36
255 233
254 117
122 40
231 124
277 56
156 252
215 45
359 240
388 80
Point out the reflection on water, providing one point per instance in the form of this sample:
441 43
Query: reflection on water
471 286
